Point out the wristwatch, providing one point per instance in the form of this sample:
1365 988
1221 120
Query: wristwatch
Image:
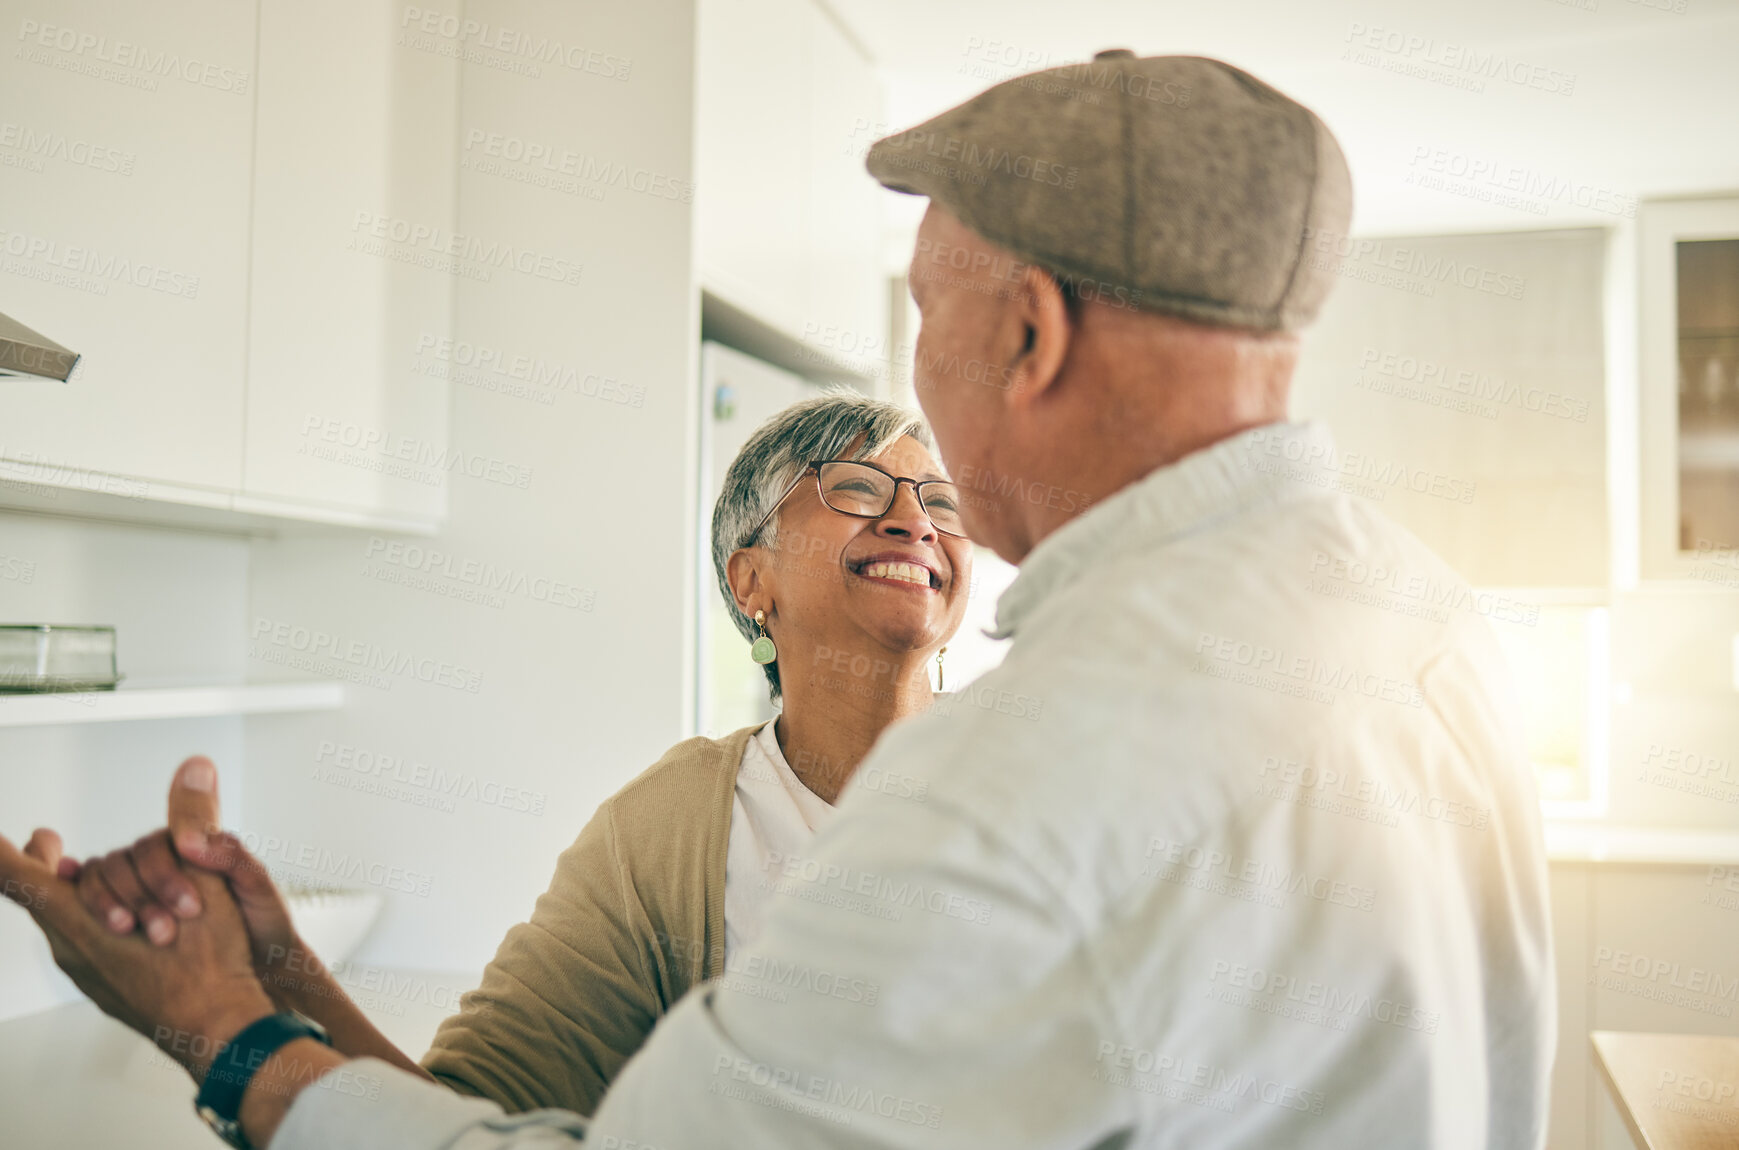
220 1095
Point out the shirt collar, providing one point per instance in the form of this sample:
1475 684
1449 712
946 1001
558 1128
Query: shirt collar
1273 461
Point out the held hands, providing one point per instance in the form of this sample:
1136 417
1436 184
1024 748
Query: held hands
146 885
184 980
187 996
183 937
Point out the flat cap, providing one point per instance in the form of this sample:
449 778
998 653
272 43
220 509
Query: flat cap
1174 183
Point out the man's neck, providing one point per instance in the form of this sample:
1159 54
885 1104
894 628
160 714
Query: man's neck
1140 393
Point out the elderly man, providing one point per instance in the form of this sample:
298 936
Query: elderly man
1222 855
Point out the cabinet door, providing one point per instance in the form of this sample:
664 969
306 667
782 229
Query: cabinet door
1464 380
753 133
353 261
846 307
1661 960
125 156
1688 310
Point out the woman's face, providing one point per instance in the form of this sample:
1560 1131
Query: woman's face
836 579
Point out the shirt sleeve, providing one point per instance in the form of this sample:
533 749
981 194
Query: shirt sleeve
569 996
917 983
367 1104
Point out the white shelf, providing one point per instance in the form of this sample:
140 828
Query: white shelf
128 704
109 498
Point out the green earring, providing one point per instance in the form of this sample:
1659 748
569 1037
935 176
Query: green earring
763 651
939 679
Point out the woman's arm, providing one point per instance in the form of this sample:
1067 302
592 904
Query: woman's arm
299 981
570 995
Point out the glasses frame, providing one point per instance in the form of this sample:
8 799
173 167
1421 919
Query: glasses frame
814 466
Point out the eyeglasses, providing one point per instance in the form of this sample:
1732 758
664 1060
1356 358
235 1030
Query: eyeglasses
865 491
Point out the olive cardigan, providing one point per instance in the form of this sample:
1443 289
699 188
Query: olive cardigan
634 916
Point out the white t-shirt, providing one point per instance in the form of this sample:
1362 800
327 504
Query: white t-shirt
773 817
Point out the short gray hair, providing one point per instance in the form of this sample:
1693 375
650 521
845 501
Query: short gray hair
777 454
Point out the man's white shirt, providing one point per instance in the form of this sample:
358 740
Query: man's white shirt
1239 847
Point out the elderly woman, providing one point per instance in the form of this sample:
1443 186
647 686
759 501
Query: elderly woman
839 549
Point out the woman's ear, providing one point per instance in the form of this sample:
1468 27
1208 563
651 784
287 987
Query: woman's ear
743 571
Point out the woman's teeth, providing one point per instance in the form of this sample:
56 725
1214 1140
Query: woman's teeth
905 572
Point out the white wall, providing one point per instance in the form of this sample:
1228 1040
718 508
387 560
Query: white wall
573 696
178 602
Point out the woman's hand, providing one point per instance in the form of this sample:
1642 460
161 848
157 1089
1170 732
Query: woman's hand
147 886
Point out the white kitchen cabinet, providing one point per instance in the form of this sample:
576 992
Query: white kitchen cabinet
1642 942
1660 960
352 279
752 154
1688 327
1464 379
788 221
847 288
125 159
245 227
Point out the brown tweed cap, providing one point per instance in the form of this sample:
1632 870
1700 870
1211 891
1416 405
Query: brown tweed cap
1174 183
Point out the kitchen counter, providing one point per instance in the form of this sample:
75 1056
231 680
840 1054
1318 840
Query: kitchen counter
72 1077
1594 842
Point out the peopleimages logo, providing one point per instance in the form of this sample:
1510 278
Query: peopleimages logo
1314 993
467 255
1195 1081
1169 859
121 54
480 573
901 893
1443 60
1473 383
464 37
97 267
1322 465
1665 980
44 144
558 160
1379 254
314 644
389 770
340 441
1317 672
1378 794
16 570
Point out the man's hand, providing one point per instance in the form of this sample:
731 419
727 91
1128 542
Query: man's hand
140 885
188 996
145 885
191 996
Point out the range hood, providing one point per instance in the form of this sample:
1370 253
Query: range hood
23 352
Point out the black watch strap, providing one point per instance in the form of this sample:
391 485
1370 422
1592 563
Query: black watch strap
220 1095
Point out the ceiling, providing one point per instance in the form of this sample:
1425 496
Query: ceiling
1652 109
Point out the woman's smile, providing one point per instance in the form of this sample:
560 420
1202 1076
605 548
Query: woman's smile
899 570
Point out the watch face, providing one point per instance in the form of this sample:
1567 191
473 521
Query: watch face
317 1031
220 1096
230 1132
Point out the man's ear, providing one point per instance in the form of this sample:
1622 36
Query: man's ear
743 571
1047 328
